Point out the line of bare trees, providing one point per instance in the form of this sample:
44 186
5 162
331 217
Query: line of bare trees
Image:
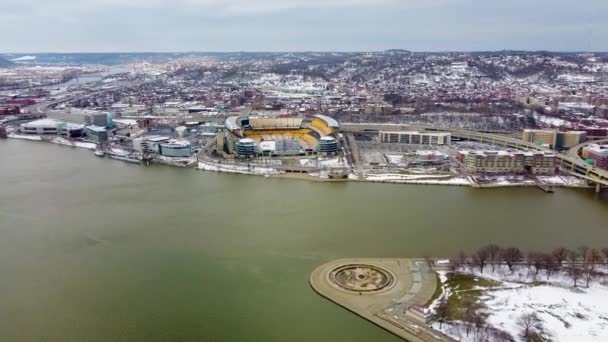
581 263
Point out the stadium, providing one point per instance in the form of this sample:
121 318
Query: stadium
252 136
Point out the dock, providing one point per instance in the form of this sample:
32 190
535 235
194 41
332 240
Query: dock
545 187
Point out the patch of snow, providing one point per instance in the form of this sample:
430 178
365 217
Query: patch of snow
231 168
25 137
561 180
567 314
80 144
418 179
323 162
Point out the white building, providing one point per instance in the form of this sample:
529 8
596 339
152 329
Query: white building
416 138
164 146
43 126
175 148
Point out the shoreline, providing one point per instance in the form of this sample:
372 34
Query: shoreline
388 178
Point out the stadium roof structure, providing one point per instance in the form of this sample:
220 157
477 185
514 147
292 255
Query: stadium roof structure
330 121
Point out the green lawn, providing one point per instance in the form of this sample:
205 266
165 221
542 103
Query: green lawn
464 289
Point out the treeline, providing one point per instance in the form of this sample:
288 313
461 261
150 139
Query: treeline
583 262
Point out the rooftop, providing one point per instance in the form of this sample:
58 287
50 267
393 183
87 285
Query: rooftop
97 129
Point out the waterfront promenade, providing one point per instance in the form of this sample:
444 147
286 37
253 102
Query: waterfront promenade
389 292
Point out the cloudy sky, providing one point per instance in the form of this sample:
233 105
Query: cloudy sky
302 25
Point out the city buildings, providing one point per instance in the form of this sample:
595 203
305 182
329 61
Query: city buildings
9 110
96 134
164 146
554 139
537 163
100 120
419 138
540 163
493 161
540 137
597 153
570 139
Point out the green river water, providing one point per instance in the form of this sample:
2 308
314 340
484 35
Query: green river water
94 249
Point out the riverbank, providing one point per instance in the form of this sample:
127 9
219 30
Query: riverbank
323 175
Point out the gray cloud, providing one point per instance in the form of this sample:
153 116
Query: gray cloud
288 25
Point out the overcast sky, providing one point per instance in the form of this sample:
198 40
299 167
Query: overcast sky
302 25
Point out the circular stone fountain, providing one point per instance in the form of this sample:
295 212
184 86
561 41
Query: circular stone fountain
362 278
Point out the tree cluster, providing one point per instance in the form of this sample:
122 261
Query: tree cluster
580 264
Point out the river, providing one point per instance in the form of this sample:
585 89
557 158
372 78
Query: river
99 250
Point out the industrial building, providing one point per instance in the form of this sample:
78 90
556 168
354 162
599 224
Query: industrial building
416 138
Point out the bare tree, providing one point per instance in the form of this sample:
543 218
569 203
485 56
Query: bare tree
493 254
528 322
584 253
560 254
595 258
478 319
588 274
462 258
481 257
511 256
575 273
550 264
573 258
442 313
605 252
537 260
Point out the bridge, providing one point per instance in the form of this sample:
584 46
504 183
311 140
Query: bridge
568 162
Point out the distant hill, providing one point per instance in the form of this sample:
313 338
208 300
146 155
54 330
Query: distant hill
5 63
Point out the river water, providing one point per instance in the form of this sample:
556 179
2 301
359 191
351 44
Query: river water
99 250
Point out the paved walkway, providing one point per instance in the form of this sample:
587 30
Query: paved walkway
414 284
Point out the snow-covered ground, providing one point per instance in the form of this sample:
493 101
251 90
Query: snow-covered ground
177 161
66 142
566 313
562 180
126 122
419 179
207 166
323 162
25 137
550 121
395 159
